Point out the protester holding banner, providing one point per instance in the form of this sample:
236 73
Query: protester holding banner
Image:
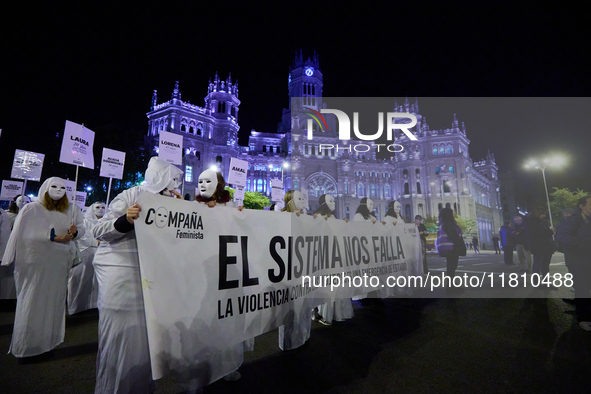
294 202
365 211
82 284
296 329
123 360
393 213
340 309
212 189
41 247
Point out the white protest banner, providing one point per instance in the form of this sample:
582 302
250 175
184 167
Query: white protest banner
237 173
276 190
77 145
27 165
239 195
238 274
112 163
170 147
11 189
70 185
81 199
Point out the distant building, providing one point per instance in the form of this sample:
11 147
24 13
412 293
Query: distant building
433 172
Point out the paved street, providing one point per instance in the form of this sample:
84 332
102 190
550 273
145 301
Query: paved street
407 345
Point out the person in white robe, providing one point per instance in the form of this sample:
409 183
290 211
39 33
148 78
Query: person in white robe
365 213
123 359
393 215
82 284
7 286
297 326
42 248
340 309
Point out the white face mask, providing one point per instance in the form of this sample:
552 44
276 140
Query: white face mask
57 189
208 181
174 183
298 200
369 205
330 203
22 201
99 211
397 207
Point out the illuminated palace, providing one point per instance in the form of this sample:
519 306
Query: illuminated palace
433 172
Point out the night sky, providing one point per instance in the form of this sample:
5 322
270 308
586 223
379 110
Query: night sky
98 65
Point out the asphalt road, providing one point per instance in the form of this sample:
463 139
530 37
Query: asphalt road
477 343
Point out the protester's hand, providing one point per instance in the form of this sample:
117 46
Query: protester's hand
133 213
554 230
176 194
315 215
346 220
72 230
211 204
240 208
384 223
374 221
63 238
298 212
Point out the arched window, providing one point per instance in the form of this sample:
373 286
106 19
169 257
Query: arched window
407 213
233 111
442 150
360 191
183 127
405 173
420 210
419 188
259 185
191 130
387 191
449 150
406 188
373 190
446 187
199 131
434 149
319 190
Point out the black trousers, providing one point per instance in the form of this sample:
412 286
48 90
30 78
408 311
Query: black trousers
508 253
452 265
541 264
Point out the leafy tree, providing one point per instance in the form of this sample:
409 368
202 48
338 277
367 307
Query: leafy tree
466 224
252 200
561 199
431 223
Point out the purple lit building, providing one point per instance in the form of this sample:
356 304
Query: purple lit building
433 172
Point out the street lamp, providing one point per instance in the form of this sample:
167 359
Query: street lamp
554 162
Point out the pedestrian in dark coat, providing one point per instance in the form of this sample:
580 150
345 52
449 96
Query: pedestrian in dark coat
450 242
540 240
575 235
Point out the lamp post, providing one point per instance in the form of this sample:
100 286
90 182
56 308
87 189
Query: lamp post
555 161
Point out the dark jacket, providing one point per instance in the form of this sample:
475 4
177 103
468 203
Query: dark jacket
521 238
506 233
575 235
448 236
539 237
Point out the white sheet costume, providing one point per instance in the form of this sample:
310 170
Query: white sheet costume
7 288
123 359
82 284
340 309
41 272
297 326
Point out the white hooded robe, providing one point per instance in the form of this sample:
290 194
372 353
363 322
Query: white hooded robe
82 283
41 275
